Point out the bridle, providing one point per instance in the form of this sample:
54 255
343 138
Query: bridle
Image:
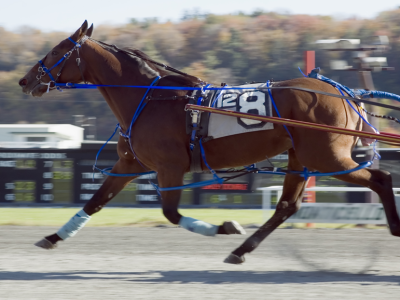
52 84
43 70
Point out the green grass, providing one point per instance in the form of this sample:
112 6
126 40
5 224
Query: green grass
143 217
121 216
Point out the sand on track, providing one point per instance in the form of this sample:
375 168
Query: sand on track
171 263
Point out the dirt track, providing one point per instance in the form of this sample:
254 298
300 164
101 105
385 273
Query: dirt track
170 263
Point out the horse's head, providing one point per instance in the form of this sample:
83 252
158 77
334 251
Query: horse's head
62 64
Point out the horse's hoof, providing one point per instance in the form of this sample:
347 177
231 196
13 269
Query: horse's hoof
233 227
46 244
395 232
234 259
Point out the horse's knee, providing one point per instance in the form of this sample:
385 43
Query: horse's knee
290 207
92 208
172 215
382 176
382 181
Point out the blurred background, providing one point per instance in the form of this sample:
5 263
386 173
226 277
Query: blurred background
223 41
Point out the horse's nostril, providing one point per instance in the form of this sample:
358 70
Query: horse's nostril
23 82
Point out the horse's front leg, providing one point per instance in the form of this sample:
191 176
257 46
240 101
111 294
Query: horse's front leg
288 204
109 189
292 195
173 177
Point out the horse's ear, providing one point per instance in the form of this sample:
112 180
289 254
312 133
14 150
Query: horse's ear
90 31
81 32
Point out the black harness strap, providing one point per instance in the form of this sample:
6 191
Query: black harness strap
186 97
195 158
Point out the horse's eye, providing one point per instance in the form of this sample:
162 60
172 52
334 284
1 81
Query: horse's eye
54 53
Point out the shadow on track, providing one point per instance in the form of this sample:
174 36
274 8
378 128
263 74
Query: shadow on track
370 252
207 277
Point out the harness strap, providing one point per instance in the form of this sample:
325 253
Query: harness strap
95 86
306 173
44 70
195 147
76 43
195 157
127 135
215 180
315 74
78 62
277 112
185 97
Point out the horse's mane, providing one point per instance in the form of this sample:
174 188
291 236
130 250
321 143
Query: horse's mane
151 67
136 52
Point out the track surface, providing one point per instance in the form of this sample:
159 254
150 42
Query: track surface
170 263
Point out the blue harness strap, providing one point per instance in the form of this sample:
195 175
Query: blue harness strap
306 174
376 154
215 180
186 186
105 172
315 74
127 135
65 56
376 94
302 72
47 71
76 44
139 109
279 115
196 120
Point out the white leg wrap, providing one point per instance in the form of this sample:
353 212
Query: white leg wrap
198 226
73 225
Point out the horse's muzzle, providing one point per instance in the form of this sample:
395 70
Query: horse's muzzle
23 82
31 87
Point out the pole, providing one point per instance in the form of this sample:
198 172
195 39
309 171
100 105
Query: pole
309 61
309 197
368 84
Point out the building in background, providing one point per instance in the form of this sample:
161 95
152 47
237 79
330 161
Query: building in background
57 136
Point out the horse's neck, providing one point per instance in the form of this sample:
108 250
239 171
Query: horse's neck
105 67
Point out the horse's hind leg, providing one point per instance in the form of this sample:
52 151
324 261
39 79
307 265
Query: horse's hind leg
377 180
380 182
292 195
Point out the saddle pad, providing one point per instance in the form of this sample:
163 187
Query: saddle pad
245 101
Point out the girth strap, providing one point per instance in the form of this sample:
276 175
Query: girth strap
195 158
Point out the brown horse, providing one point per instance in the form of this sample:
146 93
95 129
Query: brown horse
160 142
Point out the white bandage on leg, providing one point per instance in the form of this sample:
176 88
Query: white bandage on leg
73 225
198 226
